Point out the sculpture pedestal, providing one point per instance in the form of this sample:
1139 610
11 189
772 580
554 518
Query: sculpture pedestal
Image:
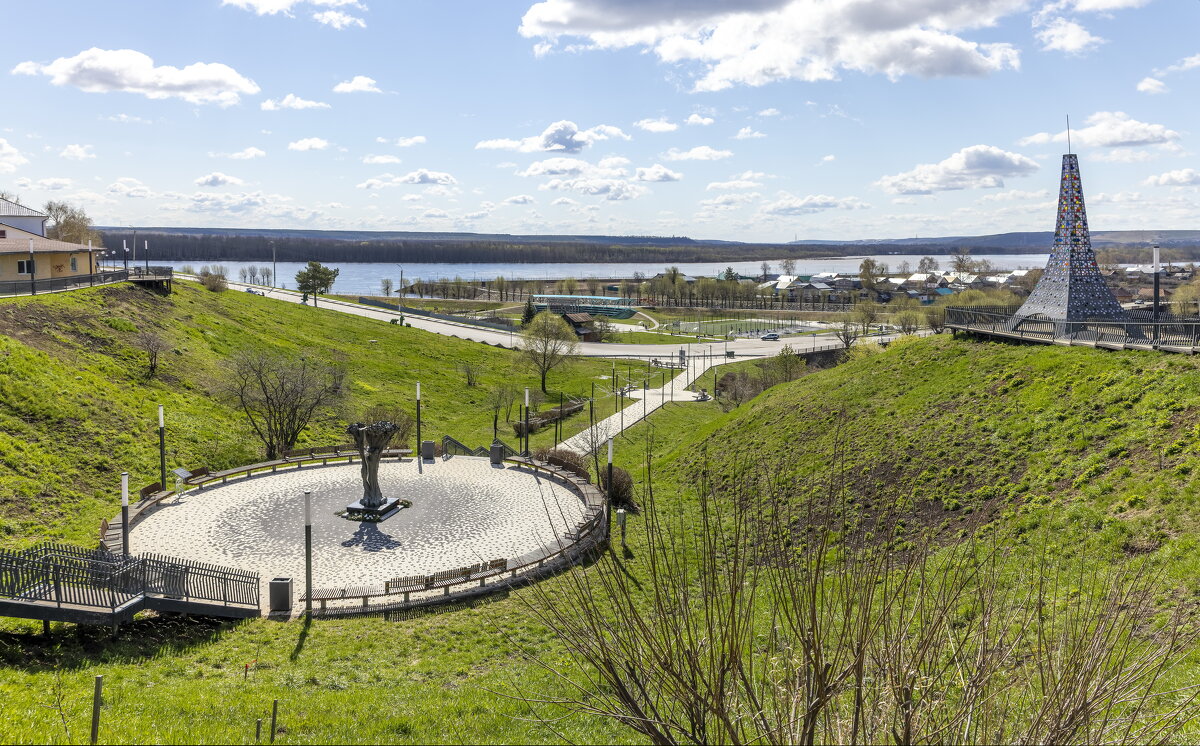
390 505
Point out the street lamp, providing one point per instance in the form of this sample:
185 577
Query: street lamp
308 586
125 512
418 419
526 420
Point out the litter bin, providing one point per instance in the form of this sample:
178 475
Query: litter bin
427 449
281 594
497 453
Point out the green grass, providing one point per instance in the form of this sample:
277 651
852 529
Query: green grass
1081 452
76 408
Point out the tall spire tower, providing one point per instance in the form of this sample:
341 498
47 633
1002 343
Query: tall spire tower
1071 288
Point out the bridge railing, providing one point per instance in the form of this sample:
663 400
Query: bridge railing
1141 329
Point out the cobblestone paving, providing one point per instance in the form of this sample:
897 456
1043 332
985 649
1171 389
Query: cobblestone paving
464 511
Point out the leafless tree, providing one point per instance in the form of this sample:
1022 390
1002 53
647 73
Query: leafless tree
153 346
846 330
935 318
385 286
780 613
470 372
866 314
280 395
547 343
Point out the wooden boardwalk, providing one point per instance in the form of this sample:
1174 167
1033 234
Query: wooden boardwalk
60 583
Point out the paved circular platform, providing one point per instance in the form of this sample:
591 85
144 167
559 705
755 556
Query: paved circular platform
464 511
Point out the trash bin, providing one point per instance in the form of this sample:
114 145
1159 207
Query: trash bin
427 450
497 453
281 594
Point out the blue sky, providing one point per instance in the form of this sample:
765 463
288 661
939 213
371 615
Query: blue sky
758 120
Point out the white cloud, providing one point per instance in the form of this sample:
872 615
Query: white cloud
216 179
1182 177
520 199
562 136
377 160
338 19
10 157
978 166
1152 85
77 152
291 101
248 154
695 119
1062 35
565 202
754 42
105 70
271 7
1103 6
434 213
309 143
357 84
744 180
130 188
1185 64
730 201
407 142
608 178
127 119
747 133
790 204
1014 195
420 176
829 159
772 112
698 153
656 125
51 184
657 172
1109 129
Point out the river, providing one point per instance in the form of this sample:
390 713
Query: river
362 277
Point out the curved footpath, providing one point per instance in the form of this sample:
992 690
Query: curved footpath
701 356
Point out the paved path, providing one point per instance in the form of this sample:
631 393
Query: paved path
464 511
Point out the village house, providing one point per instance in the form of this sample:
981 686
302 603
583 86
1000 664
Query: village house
26 254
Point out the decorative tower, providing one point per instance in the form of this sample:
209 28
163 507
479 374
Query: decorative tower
1071 289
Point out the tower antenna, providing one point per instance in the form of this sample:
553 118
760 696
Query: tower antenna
1068 134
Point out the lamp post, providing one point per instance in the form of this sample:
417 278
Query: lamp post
124 512
146 247
308 589
91 264
162 449
418 419
608 492
621 524
125 250
32 271
526 421
1154 312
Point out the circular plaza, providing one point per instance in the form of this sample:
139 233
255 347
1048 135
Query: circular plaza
464 510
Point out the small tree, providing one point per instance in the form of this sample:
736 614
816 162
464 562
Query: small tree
866 313
788 266
935 318
846 330
786 366
908 321
315 279
385 287
71 224
529 313
766 270
267 275
280 394
548 342
470 372
152 345
927 265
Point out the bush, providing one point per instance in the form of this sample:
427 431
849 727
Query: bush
575 463
213 281
622 489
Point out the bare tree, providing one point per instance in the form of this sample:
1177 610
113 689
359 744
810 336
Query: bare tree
70 223
845 330
784 614
385 286
280 395
153 346
866 314
788 266
935 318
547 343
470 372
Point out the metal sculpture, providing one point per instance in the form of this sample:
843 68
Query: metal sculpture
1072 288
372 439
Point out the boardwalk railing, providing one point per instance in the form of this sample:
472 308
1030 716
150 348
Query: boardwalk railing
73 584
1140 330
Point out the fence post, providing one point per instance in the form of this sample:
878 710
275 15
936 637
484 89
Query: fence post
274 716
97 697
57 584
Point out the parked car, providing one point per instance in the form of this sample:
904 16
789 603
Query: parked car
770 337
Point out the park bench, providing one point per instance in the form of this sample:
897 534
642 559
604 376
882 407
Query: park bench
325 595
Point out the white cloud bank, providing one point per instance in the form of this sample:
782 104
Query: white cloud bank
656 125
216 179
698 153
292 101
357 84
979 166
420 176
754 42
10 157
563 137
308 143
98 70
77 153
1182 177
1109 129
789 205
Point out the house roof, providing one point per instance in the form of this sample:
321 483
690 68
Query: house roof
10 209
40 246
944 291
578 318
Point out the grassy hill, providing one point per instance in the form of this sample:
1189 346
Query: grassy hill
1074 451
76 406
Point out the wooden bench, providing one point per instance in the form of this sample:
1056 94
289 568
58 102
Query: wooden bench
325 595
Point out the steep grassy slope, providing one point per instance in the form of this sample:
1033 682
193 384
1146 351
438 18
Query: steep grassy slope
76 407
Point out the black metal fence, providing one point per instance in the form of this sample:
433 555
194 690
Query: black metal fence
56 284
64 575
454 447
1140 329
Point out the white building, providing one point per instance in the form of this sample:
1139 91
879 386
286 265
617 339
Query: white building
22 218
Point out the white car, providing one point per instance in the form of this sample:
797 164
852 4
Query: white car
770 337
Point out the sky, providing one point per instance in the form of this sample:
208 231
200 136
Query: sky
751 120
